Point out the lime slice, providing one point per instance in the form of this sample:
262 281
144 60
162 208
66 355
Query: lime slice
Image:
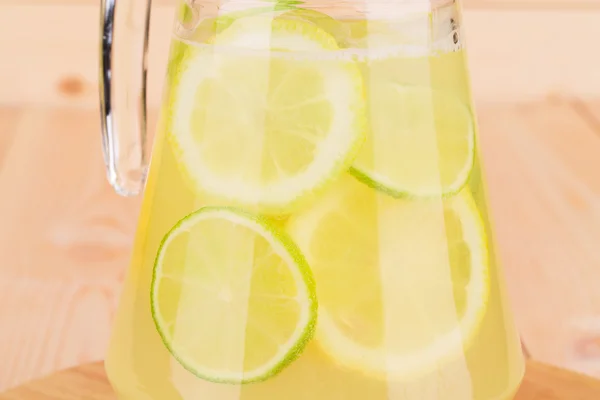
258 119
232 297
421 142
402 285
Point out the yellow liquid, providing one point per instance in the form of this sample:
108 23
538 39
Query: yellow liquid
140 366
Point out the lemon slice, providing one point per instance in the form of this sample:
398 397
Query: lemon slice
338 29
232 297
421 141
402 34
259 120
402 285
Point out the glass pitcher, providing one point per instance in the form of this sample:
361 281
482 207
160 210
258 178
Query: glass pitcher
314 223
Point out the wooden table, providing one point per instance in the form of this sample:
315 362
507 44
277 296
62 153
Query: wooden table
89 382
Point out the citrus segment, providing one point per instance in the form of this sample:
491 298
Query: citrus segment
402 285
421 142
232 296
256 124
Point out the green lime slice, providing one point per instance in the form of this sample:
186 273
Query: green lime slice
403 285
232 296
421 142
258 121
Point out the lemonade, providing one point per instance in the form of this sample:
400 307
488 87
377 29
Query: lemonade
314 223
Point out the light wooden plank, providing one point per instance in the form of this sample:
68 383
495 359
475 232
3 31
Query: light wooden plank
8 121
58 66
541 54
89 382
65 237
52 325
532 4
590 112
65 243
485 4
594 109
544 184
54 3
75 2
56 156
528 55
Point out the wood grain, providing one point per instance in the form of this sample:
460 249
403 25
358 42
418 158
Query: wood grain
468 4
64 243
544 183
65 236
84 382
532 4
543 52
543 382
594 110
9 117
589 112
89 382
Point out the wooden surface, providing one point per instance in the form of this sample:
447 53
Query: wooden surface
474 4
89 382
86 382
65 237
514 51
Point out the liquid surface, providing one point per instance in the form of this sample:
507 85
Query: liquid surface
314 224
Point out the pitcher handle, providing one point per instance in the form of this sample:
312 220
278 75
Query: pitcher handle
123 92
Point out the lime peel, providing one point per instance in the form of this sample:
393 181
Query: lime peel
288 251
431 101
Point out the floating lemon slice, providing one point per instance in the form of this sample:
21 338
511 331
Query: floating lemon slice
257 120
402 285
